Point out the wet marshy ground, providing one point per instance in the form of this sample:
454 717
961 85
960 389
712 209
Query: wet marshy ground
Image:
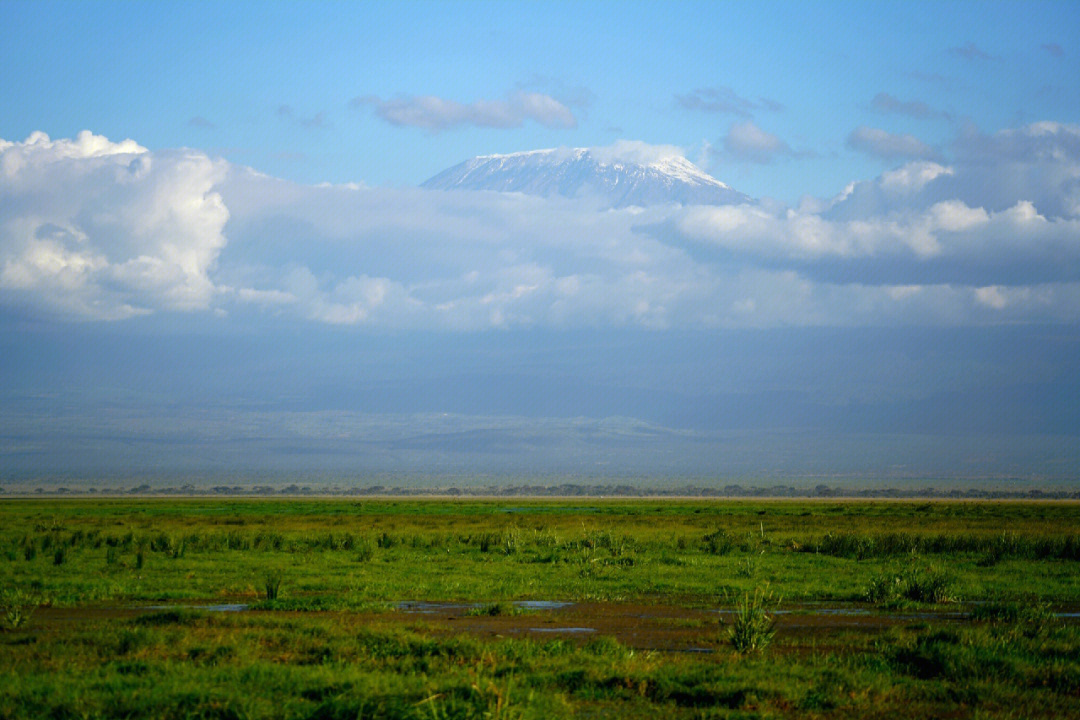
656 627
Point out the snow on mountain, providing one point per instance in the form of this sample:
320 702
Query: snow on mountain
621 175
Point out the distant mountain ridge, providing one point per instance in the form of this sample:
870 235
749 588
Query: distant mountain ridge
621 176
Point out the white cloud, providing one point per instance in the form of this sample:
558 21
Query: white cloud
1038 142
912 177
635 151
992 296
435 113
747 142
101 230
1006 212
969 237
351 301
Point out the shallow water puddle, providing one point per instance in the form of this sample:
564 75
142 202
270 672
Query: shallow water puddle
224 607
562 630
423 606
542 604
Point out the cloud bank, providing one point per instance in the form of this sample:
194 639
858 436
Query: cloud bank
96 230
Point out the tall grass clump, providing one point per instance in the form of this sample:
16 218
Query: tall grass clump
718 542
994 548
272 585
884 588
931 585
17 607
1031 618
748 567
365 550
922 585
753 627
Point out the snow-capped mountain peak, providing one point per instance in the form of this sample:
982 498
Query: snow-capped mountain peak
620 175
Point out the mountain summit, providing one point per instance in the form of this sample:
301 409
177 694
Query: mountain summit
623 174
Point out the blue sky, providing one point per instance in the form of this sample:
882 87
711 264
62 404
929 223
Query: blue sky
270 85
216 259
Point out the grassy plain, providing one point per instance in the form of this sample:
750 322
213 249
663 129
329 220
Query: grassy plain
884 609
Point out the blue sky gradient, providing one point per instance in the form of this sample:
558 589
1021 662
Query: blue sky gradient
220 76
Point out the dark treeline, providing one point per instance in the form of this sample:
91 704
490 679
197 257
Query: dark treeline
562 490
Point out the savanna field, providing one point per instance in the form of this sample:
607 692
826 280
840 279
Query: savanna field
335 608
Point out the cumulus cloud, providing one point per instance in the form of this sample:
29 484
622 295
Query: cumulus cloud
1038 142
434 113
746 142
886 103
1005 213
974 245
722 99
101 230
1039 163
882 144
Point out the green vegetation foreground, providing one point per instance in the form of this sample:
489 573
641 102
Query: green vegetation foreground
957 608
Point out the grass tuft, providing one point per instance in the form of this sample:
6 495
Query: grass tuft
496 609
753 627
272 585
18 607
920 585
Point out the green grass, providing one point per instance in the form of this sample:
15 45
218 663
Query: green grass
158 549
323 638
196 665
